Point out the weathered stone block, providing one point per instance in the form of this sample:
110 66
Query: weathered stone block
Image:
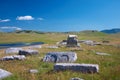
72 41
14 57
60 57
84 68
28 52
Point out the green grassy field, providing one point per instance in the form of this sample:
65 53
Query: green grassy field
109 65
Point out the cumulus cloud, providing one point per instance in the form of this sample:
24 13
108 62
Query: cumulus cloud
24 18
41 19
4 20
9 27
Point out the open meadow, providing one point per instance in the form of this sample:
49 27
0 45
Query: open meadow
109 65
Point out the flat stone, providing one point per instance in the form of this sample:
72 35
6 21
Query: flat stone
104 54
84 68
14 57
28 52
35 46
60 57
76 78
6 58
52 47
12 50
33 71
4 74
19 57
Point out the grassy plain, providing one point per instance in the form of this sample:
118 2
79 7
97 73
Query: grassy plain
109 65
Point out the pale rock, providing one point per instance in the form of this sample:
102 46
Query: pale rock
4 74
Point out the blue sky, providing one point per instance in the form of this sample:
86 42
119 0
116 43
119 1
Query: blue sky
59 15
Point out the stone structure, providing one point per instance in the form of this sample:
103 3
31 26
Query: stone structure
4 74
60 57
28 52
84 68
72 41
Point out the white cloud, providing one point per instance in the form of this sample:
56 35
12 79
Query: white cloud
41 19
24 18
10 27
5 20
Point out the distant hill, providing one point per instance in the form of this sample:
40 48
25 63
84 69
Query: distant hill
111 31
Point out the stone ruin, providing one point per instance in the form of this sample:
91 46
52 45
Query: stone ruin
84 68
72 41
60 57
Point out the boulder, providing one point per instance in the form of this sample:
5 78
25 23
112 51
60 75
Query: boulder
4 74
84 68
28 52
12 50
60 57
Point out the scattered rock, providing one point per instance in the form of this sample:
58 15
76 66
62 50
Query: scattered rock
77 49
19 57
100 53
89 42
4 74
76 78
60 57
28 52
105 41
12 50
52 47
84 68
35 46
33 71
6 58
14 57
